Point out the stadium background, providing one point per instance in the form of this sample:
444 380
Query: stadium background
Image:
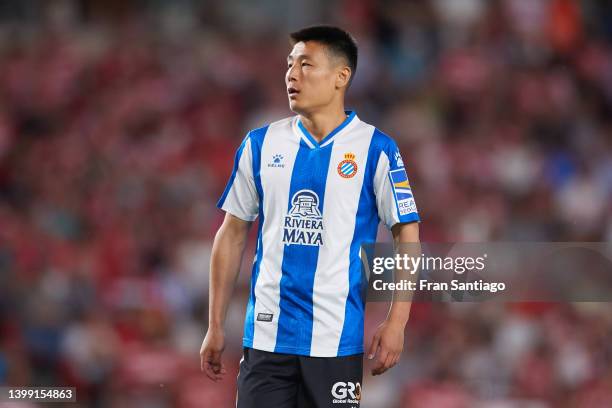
118 123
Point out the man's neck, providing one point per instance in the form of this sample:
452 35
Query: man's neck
321 124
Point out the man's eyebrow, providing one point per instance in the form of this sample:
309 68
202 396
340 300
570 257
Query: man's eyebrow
290 57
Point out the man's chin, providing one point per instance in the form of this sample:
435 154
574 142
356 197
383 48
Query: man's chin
296 107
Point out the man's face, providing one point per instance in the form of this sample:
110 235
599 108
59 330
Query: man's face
312 76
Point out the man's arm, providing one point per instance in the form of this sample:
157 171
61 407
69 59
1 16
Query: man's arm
226 257
388 341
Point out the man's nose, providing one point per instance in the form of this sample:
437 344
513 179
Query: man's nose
292 74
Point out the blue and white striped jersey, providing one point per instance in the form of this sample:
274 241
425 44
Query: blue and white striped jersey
317 202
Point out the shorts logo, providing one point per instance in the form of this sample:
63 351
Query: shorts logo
402 191
347 168
264 317
346 392
304 223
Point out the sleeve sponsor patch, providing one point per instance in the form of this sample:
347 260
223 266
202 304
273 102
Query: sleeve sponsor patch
402 191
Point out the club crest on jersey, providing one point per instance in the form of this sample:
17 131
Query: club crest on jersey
347 168
304 223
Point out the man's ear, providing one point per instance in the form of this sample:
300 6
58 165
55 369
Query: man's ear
343 78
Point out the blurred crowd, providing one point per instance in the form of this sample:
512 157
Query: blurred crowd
117 133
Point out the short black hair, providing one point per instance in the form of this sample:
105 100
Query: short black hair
337 40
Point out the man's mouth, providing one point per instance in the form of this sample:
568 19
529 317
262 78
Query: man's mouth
292 92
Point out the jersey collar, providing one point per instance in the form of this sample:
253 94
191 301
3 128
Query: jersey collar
312 142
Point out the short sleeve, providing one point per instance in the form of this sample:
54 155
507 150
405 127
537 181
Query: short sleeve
240 197
394 197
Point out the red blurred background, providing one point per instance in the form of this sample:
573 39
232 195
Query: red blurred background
118 124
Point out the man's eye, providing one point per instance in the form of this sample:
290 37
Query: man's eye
305 64
289 65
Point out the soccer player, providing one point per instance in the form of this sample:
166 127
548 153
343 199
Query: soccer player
320 182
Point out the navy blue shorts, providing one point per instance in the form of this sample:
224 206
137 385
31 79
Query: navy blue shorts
280 380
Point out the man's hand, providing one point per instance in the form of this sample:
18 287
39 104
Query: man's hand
387 346
210 354
225 259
